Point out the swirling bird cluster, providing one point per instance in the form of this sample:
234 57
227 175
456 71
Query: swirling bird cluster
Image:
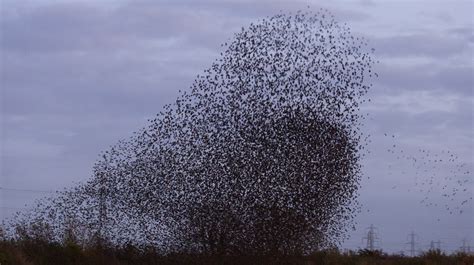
260 155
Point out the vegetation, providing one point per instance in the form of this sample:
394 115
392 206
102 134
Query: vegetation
37 252
37 249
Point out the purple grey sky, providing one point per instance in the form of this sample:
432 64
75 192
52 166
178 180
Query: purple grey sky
77 76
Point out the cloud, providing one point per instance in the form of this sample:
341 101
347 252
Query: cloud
52 28
423 44
417 102
27 148
79 26
452 79
466 33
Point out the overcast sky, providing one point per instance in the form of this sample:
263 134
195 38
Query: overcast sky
77 76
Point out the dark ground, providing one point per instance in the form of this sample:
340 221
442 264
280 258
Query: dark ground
43 253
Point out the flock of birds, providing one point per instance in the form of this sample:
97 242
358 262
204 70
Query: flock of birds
441 178
261 154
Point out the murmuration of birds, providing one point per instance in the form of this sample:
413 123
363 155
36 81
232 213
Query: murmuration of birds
440 178
261 154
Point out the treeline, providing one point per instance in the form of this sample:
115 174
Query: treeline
38 252
35 245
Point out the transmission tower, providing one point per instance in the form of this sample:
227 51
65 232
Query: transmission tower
412 243
466 248
435 245
371 238
438 244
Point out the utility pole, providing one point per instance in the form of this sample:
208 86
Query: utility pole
412 243
371 238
